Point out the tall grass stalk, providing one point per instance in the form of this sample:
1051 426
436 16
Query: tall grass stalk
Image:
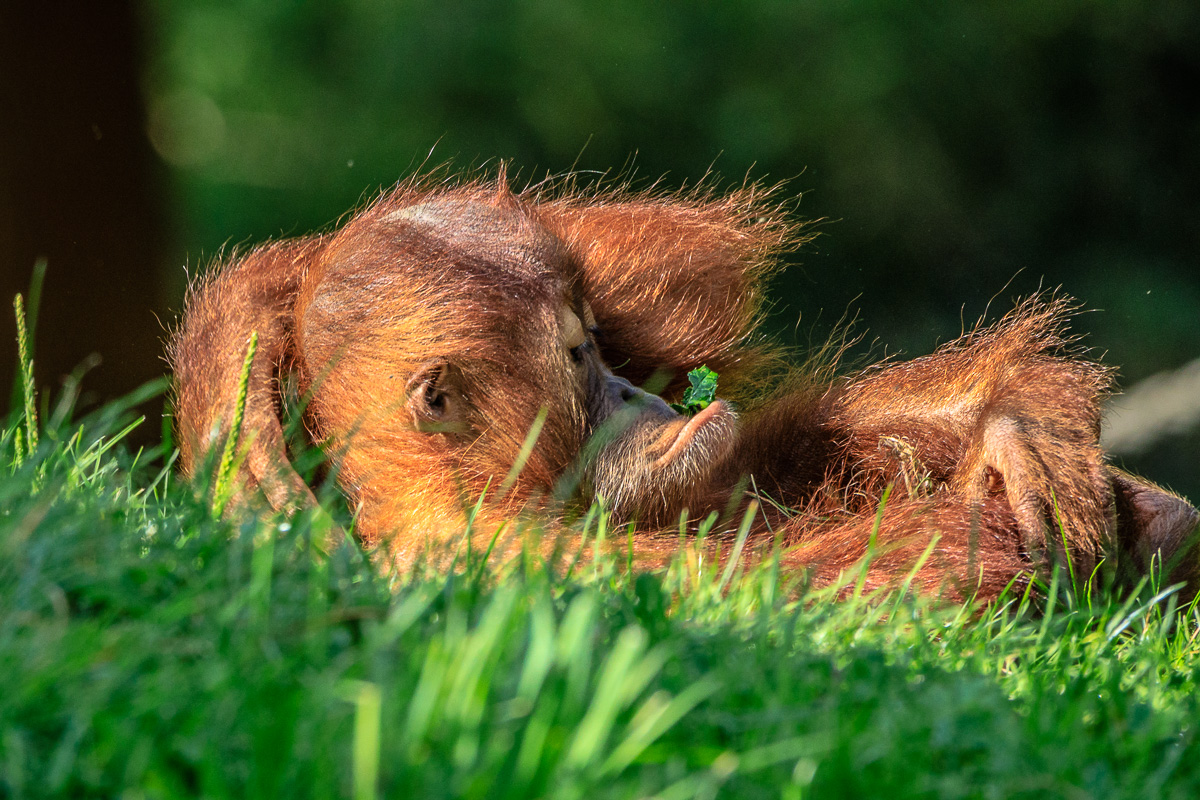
226 471
25 365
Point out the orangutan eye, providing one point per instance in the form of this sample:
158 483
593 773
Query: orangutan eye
573 334
572 328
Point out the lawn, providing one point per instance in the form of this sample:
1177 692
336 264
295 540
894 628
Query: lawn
150 648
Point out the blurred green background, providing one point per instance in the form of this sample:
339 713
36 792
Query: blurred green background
959 152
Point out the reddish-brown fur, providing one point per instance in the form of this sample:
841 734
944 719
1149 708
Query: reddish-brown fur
436 325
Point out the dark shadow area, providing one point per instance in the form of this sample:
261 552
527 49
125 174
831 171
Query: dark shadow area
80 187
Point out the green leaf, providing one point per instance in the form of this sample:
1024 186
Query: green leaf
703 390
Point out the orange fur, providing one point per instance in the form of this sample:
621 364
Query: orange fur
440 324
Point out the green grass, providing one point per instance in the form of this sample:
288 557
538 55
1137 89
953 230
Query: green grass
150 649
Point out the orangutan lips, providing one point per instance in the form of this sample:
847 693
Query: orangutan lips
685 435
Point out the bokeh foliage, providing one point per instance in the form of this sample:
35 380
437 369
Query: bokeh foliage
959 151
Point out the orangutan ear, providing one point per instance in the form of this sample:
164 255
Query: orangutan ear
435 399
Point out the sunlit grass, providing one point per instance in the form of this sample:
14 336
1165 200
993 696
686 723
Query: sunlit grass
153 649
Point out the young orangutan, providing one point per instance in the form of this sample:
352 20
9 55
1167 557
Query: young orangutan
441 324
